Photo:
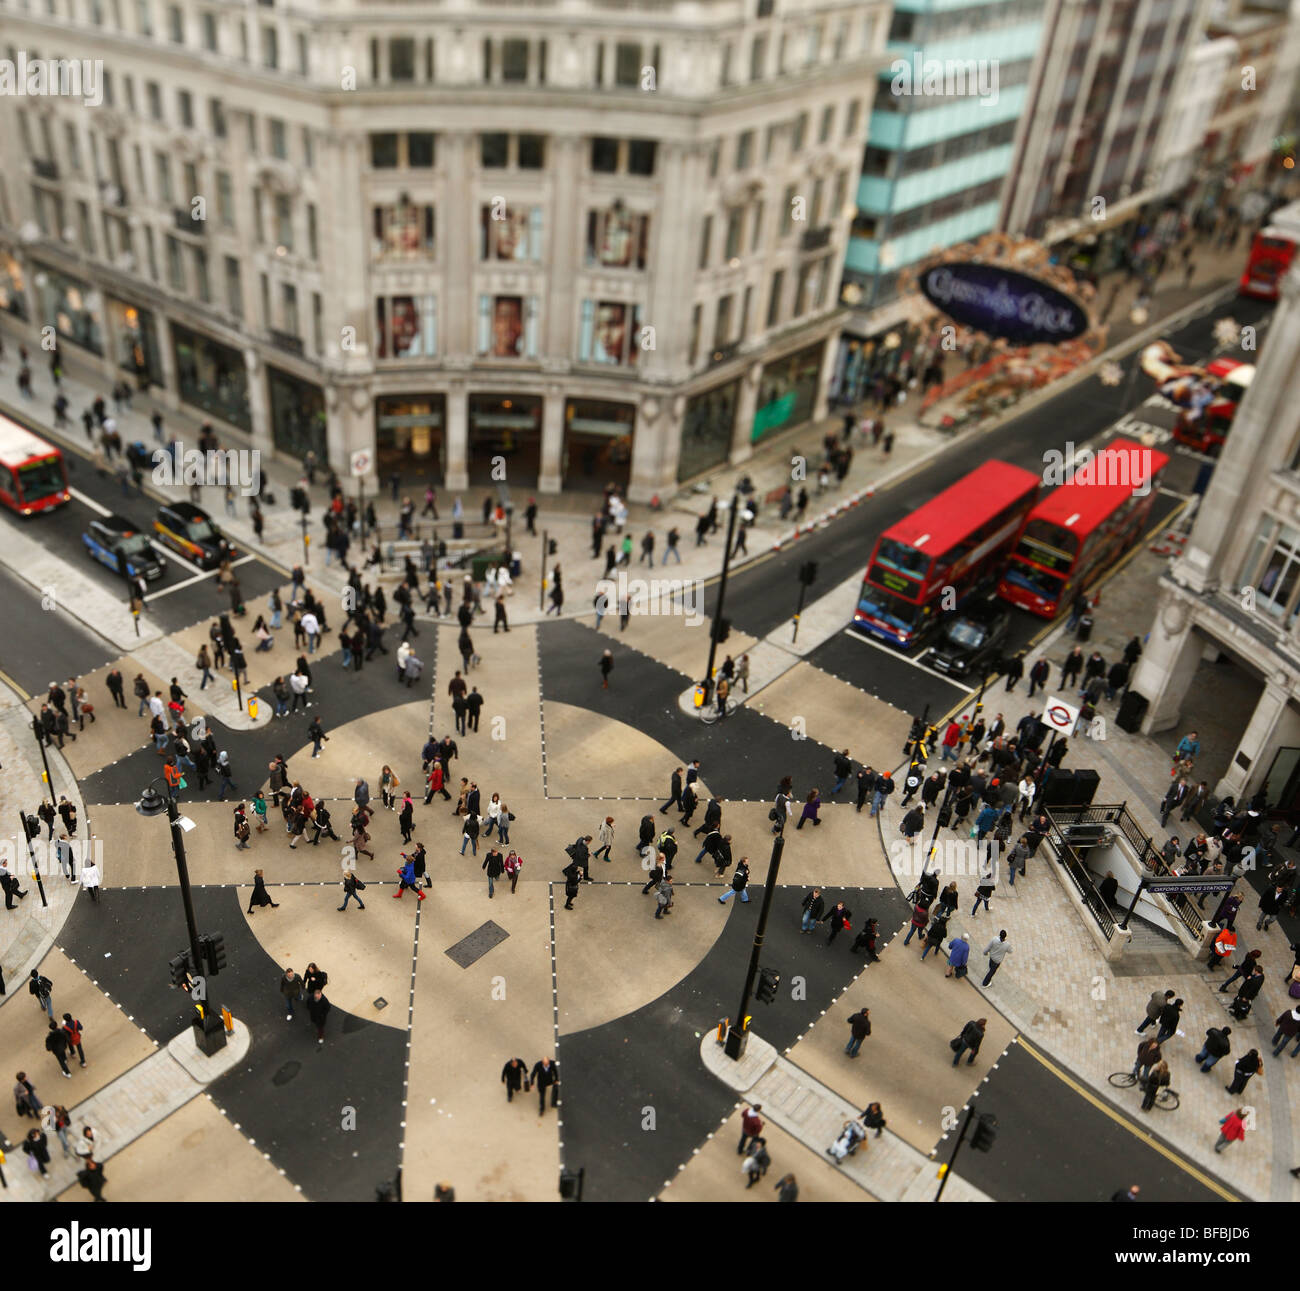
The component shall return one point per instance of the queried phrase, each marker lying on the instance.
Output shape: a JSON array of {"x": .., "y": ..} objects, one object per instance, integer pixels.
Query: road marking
[
  {"x": 867, "y": 641},
  {"x": 1136, "y": 1131},
  {"x": 13, "y": 685},
  {"x": 89, "y": 502},
  {"x": 198, "y": 577}
]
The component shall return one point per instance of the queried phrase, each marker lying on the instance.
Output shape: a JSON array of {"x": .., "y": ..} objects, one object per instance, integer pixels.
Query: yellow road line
[
  {"x": 9, "y": 681},
  {"x": 1136, "y": 1131}
]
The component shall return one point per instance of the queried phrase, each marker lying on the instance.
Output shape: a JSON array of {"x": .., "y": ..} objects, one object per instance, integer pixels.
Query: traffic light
[
  {"x": 298, "y": 499},
  {"x": 723, "y": 630},
  {"x": 986, "y": 1132},
  {"x": 768, "y": 981},
  {"x": 213, "y": 949},
  {"x": 179, "y": 968},
  {"x": 552, "y": 547},
  {"x": 808, "y": 573}
]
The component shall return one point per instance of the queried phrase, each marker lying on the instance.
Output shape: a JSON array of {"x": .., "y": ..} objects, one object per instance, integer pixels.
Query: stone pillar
[
  {"x": 655, "y": 448},
  {"x": 1201, "y": 566},
  {"x": 550, "y": 478},
  {"x": 458, "y": 311},
  {"x": 457, "y": 436},
  {"x": 112, "y": 339},
  {"x": 1256, "y": 741},
  {"x": 825, "y": 375},
  {"x": 170, "y": 390},
  {"x": 569, "y": 213},
  {"x": 259, "y": 404},
  {"x": 742, "y": 443},
  {"x": 1168, "y": 662}
]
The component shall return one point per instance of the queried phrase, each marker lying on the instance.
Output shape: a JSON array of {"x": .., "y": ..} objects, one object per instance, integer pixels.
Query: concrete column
[
  {"x": 259, "y": 404},
  {"x": 1168, "y": 663},
  {"x": 170, "y": 392},
  {"x": 111, "y": 338},
  {"x": 1202, "y": 565},
  {"x": 458, "y": 311},
  {"x": 1256, "y": 742},
  {"x": 742, "y": 446},
  {"x": 457, "y": 436},
  {"x": 550, "y": 478},
  {"x": 569, "y": 219},
  {"x": 655, "y": 448},
  {"x": 824, "y": 376}
]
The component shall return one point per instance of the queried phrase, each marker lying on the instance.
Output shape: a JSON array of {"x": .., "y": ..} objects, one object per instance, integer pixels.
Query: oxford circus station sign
[{"x": 1003, "y": 303}]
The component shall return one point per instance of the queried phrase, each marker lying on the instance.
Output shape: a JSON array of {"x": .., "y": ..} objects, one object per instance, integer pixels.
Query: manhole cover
[
  {"x": 472, "y": 948},
  {"x": 381, "y": 1003}
]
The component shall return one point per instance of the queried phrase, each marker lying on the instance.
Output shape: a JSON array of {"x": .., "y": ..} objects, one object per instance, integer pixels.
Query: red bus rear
[
  {"x": 1078, "y": 530},
  {"x": 954, "y": 543},
  {"x": 33, "y": 475},
  {"x": 1271, "y": 254}
]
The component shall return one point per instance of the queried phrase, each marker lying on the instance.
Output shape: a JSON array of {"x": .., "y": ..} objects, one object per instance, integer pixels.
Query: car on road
[
  {"x": 189, "y": 530},
  {"x": 970, "y": 640},
  {"x": 123, "y": 547}
]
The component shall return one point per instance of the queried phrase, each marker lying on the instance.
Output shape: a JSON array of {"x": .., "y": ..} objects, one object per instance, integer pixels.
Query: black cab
[
  {"x": 123, "y": 547},
  {"x": 189, "y": 530}
]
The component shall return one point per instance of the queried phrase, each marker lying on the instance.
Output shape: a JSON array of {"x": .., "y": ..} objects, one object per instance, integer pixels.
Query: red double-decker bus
[
  {"x": 956, "y": 541},
  {"x": 1079, "y": 529},
  {"x": 1271, "y": 253},
  {"x": 33, "y": 476}
]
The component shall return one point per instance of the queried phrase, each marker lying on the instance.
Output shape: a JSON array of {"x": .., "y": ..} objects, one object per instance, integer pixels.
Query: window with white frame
[
  {"x": 406, "y": 327},
  {"x": 1273, "y": 570},
  {"x": 507, "y": 326},
  {"x": 608, "y": 332},
  {"x": 617, "y": 238},
  {"x": 510, "y": 232}
]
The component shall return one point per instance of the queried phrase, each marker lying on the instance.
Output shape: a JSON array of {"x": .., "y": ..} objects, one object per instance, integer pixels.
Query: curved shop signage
[{"x": 1004, "y": 303}]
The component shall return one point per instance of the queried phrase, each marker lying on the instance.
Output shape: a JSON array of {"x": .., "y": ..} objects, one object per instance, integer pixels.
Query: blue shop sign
[{"x": 1003, "y": 303}]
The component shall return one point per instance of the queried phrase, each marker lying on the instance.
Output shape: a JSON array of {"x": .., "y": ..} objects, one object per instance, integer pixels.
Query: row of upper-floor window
[
  {"x": 171, "y": 22},
  {"x": 976, "y": 88},
  {"x": 806, "y": 211},
  {"x": 407, "y": 59},
  {"x": 892, "y": 225},
  {"x": 885, "y": 163},
  {"x": 971, "y": 20}
]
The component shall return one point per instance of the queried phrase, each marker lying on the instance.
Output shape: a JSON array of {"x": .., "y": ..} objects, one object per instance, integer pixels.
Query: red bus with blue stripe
[{"x": 934, "y": 558}]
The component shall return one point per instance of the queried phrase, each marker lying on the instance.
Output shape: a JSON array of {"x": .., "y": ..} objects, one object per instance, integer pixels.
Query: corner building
[
  {"x": 601, "y": 242},
  {"x": 1226, "y": 633}
]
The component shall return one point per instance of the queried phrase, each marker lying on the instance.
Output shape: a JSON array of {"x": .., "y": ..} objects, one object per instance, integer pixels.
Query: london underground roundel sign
[{"x": 1003, "y": 302}]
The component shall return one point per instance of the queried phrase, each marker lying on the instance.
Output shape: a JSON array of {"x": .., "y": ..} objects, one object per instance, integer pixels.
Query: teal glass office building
[{"x": 935, "y": 163}]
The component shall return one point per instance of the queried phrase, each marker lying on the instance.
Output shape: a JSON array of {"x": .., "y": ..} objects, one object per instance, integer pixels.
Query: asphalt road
[
  {"x": 51, "y": 645},
  {"x": 1053, "y": 1144}
]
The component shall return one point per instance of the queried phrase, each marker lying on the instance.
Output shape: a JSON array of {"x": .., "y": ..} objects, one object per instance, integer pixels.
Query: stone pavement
[
  {"x": 886, "y": 1167},
  {"x": 1056, "y": 988}
]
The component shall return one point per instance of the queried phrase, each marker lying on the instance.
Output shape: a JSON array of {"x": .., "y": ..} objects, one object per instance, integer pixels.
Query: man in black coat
[
  {"x": 514, "y": 1076},
  {"x": 712, "y": 818},
  {"x": 675, "y": 796},
  {"x": 580, "y": 856},
  {"x": 546, "y": 1073},
  {"x": 688, "y": 804},
  {"x": 318, "y": 1009},
  {"x": 866, "y": 783}
]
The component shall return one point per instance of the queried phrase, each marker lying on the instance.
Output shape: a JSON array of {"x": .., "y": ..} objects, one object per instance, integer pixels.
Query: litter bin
[
  {"x": 1084, "y": 630},
  {"x": 457, "y": 531},
  {"x": 516, "y": 565}
]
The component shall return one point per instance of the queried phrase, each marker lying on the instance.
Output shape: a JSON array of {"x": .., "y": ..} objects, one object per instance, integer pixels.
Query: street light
[{"x": 211, "y": 1034}]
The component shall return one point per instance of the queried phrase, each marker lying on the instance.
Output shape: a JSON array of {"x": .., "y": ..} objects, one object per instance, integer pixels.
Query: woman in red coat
[{"x": 435, "y": 781}]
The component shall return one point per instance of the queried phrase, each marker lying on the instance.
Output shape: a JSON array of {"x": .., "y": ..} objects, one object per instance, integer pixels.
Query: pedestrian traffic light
[
  {"x": 179, "y": 968},
  {"x": 298, "y": 499},
  {"x": 213, "y": 949},
  {"x": 808, "y": 573},
  {"x": 723, "y": 630},
  {"x": 768, "y": 981},
  {"x": 552, "y": 547},
  {"x": 986, "y": 1132}
]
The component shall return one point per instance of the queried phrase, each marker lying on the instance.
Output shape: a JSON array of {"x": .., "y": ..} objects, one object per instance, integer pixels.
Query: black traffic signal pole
[
  {"x": 722, "y": 594},
  {"x": 798, "y": 610},
  {"x": 31, "y": 860},
  {"x": 737, "y": 1032},
  {"x": 39, "y": 732},
  {"x": 961, "y": 1138},
  {"x": 183, "y": 875},
  {"x": 541, "y": 571}
]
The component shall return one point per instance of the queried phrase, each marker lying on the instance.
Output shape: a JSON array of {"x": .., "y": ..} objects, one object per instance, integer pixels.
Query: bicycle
[
  {"x": 1167, "y": 1099},
  {"x": 710, "y": 714}
]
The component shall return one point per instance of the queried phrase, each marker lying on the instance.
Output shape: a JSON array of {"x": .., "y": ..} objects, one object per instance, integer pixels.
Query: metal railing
[{"x": 1082, "y": 881}]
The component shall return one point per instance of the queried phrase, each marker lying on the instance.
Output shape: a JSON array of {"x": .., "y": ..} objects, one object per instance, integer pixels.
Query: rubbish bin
[
  {"x": 1084, "y": 630},
  {"x": 457, "y": 531},
  {"x": 1132, "y": 709}
]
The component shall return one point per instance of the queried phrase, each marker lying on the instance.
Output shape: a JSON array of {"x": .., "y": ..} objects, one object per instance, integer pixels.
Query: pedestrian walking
[
  {"x": 260, "y": 897},
  {"x": 1216, "y": 1047},
  {"x": 813, "y": 905},
  {"x": 318, "y": 1009},
  {"x": 1248, "y": 1065},
  {"x": 1232, "y": 1129},
  {"x": 739, "y": 883},
  {"x": 859, "y": 1030},
  {"x": 1170, "y": 1015},
  {"x": 56, "y": 1044},
  {"x": 42, "y": 990},
  {"x": 970, "y": 1039},
  {"x": 1288, "y": 1028},
  {"x": 997, "y": 950},
  {"x": 90, "y": 879},
  {"x": 605, "y": 837},
  {"x": 958, "y": 957},
  {"x": 514, "y": 1076},
  {"x": 546, "y": 1075},
  {"x": 812, "y": 805},
  {"x": 352, "y": 887},
  {"x": 494, "y": 866},
  {"x": 838, "y": 917},
  {"x": 37, "y": 1147},
  {"x": 73, "y": 1029},
  {"x": 1156, "y": 1080}
]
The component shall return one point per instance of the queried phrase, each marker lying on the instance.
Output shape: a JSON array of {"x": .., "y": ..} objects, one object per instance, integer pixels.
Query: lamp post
[
  {"x": 738, "y": 1032},
  {"x": 722, "y": 593},
  {"x": 153, "y": 803}
]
